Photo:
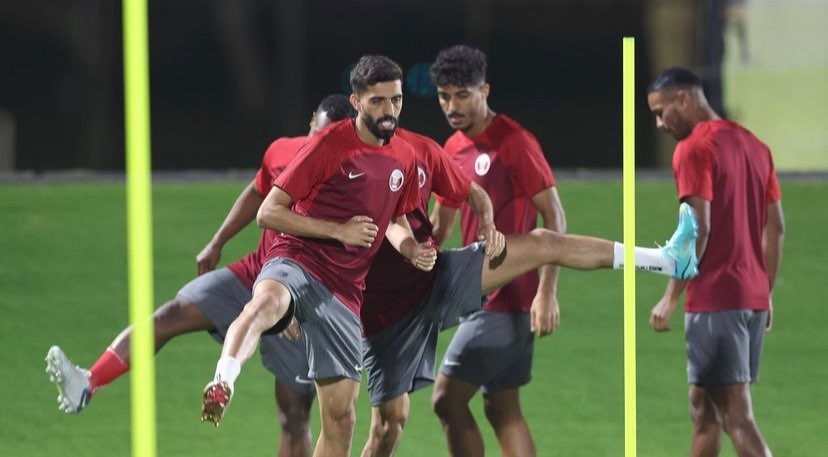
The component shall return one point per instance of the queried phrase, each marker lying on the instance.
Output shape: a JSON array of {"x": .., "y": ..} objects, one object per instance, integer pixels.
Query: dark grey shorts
[
  {"x": 221, "y": 296},
  {"x": 288, "y": 362},
  {"x": 332, "y": 333},
  {"x": 401, "y": 358},
  {"x": 492, "y": 350},
  {"x": 724, "y": 347}
]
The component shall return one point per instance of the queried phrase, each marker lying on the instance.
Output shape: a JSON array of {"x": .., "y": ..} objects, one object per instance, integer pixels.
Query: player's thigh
[{"x": 337, "y": 396}]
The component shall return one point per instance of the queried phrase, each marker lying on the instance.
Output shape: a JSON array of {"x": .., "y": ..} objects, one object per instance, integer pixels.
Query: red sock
[{"x": 108, "y": 368}]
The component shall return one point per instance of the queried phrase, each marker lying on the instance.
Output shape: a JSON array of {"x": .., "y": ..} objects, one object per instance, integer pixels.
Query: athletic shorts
[
  {"x": 288, "y": 362},
  {"x": 221, "y": 296},
  {"x": 723, "y": 347},
  {"x": 492, "y": 350},
  {"x": 400, "y": 359},
  {"x": 332, "y": 333}
]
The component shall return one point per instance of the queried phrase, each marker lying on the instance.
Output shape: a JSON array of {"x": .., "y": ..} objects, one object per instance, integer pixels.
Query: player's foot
[
  {"x": 217, "y": 396},
  {"x": 72, "y": 381},
  {"x": 681, "y": 247}
]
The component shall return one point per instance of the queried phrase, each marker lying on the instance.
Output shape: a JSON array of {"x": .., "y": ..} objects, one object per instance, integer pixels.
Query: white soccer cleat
[{"x": 72, "y": 382}]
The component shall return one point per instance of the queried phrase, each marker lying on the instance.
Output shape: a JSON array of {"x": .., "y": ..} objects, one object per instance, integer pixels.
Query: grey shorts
[
  {"x": 492, "y": 350},
  {"x": 288, "y": 362},
  {"x": 400, "y": 359},
  {"x": 332, "y": 333},
  {"x": 221, "y": 296},
  {"x": 724, "y": 347}
]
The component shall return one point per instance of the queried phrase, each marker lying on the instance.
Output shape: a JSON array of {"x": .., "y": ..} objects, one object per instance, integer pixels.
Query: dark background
[{"x": 228, "y": 76}]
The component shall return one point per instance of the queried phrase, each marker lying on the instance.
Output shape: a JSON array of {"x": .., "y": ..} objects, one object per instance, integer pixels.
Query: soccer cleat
[
  {"x": 681, "y": 247},
  {"x": 72, "y": 381},
  {"x": 217, "y": 396}
]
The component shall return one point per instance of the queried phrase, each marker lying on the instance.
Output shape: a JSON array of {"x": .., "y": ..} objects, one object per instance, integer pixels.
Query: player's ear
[
  {"x": 354, "y": 101},
  {"x": 484, "y": 89}
]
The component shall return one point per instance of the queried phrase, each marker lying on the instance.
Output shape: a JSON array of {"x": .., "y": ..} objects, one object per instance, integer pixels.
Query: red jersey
[
  {"x": 724, "y": 163},
  {"x": 507, "y": 161},
  {"x": 276, "y": 158},
  {"x": 393, "y": 286},
  {"x": 334, "y": 177}
]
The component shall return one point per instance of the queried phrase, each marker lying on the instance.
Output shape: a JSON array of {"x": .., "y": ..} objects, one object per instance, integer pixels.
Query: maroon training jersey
[
  {"x": 507, "y": 161},
  {"x": 334, "y": 177},
  {"x": 393, "y": 286},
  {"x": 276, "y": 158},
  {"x": 724, "y": 163}
]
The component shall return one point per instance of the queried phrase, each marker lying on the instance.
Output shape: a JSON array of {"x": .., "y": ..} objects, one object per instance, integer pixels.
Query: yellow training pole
[
  {"x": 629, "y": 246},
  {"x": 139, "y": 225}
]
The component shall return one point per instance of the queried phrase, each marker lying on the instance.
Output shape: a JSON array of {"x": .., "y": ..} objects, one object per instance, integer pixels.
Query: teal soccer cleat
[{"x": 681, "y": 247}]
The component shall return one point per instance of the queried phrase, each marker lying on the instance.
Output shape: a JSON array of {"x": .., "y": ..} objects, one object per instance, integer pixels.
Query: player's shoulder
[
  {"x": 508, "y": 134},
  {"x": 284, "y": 147},
  {"x": 423, "y": 145}
]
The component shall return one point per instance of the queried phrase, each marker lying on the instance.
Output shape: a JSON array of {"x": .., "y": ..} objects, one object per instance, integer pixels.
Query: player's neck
[{"x": 480, "y": 127}]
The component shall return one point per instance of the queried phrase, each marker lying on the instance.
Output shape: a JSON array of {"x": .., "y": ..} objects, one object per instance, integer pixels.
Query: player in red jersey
[
  {"x": 346, "y": 191},
  {"x": 405, "y": 309},
  {"x": 212, "y": 300},
  {"x": 493, "y": 348},
  {"x": 728, "y": 177}
]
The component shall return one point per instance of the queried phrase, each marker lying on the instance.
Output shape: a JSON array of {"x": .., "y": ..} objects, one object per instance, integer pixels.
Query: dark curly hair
[
  {"x": 371, "y": 70},
  {"x": 460, "y": 66},
  {"x": 337, "y": 107},
  {"x": 675, "y": 78}
]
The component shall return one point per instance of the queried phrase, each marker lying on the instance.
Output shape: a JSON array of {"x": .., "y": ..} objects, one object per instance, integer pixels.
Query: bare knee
[
  {"x": 502, "y": 409},
  {"x": 178, "y": 316},
  {"x": 442, "y": 403},
  {"x": 702, "y": 412},
  {"x": 294, "y": 418}
]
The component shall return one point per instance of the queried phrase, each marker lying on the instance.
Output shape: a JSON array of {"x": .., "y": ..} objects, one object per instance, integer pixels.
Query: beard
[{"x": 374, "y": 128}]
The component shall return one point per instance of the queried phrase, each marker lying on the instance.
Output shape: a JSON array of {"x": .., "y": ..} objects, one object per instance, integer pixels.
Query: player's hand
[
  {"x": 423, "y": 256},
  {"x": 769, "y": 323},
  {"x": 358, "y": 231},
  {"x": 291, "y": 333},
  {"x": 495, "y": 240},
  {"x": 660, "y": 315},
  {"x": 545, "y": 315},
  {"x": 208, "y": 258}
]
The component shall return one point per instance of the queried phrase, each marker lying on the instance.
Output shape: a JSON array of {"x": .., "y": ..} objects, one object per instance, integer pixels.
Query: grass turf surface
[{"x": 63, "y": 278}]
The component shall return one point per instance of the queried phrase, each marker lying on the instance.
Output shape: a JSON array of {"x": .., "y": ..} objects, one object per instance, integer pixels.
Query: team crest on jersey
[
  {"x": 482, "y": 164},
  {"x": 421, "y": 177},
  {"x": 395, "y": 182}
]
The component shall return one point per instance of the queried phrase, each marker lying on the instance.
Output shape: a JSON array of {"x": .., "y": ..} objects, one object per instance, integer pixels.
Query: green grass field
[{"x": 63, "y": 278}]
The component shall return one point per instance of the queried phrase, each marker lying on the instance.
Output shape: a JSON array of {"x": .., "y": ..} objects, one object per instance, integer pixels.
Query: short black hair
[
  {"x": 371, "y": 70},
  {"x": 337, "y": 107},
  {"x": 675, "y": 78},
  {"x": 459, "y": 65}
]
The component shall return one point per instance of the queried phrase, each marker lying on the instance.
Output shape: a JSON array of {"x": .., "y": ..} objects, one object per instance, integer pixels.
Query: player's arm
[
  {"x": 442, "y": 219},
  {"x": 661, "y": 312},
  {"x": 481, "y": 206},
  {"x": 545, "y": 312},
  {"x": 401, "y": 237},
  {"x": 774, "y": 237},
  {"x": 275, "y": 213},
  {"x": 241, "y": 213}
]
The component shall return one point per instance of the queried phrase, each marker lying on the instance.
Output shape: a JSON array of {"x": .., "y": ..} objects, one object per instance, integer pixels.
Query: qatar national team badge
[
  {"x": 482, "y": 164},
  {"x": 395, "y": 182},
  {"x": 421, "y": 177}
]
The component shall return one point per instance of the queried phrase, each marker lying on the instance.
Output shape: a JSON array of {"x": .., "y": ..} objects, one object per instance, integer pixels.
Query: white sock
[
  {"x": 646, "y": 259},
  {"x": 227, "y": 369}
]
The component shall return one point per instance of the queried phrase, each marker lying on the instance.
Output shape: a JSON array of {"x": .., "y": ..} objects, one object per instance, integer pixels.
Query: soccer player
[
  {"x": 405, "y": 309},
  {"x": 216, "y": 297},
  {"x": 347, "y": 191},
  {"x": 727, "y": 175}
]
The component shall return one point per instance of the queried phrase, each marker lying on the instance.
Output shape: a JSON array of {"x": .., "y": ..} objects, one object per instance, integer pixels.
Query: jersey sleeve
[
  {"x": 448, "y": 180},
  {"x": 306, "y": 171},
  {"x": 693, "y": 170},
  {"x": 410, "y": 196},
  {"x": 529, "y": 168},
  {"x": 774, "y": 192},
  {"x": 264, "y": 176}
]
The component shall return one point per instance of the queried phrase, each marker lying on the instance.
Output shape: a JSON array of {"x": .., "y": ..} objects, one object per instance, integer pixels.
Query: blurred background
[{"x": 228, "y": 76}]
